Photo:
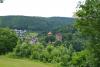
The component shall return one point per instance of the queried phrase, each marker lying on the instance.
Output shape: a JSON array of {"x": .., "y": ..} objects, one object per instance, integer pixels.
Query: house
[
  {"x": 33, "y": 40},
  {"x": 49, "y": 33},
  {"x": 58, "y": 36},
  {"x": 49, "y": 38},
  {"x": 20, "y": 33}
]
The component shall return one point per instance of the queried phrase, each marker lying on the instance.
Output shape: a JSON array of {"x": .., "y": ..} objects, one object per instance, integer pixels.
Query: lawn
[{"x": 9, "y": 62}]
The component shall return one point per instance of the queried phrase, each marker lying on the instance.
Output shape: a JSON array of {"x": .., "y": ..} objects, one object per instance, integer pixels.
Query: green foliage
[
  {"x": 50, "y": 54},
  {"x": 49, "y": 48},
  {"x": 36, "y": 51},
  {"x": 57, "y": 43},
  {"x": 70, "y": 36},
  {"x": 23, "y": 50},
  {"x": 8, "y": 40},
  {"x": 88, "y": 23},
  {"x": 10, "y": 62},
  {"x": 50, "y": 39},
  {"x": 79, "y": 59},
  {"x": 37, "y": 24}
]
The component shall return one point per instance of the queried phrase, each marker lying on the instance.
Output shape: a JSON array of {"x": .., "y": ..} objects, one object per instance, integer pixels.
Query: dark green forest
[{"x": 38, "y": 24}]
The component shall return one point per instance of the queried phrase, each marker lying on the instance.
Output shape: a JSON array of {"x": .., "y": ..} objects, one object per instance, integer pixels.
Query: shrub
[
  {"x": 50, "y": 54},
  {"x": 23, "y": 50},
  {"x": 36, "y": 51},
  {"x": 79, "y": 59}
]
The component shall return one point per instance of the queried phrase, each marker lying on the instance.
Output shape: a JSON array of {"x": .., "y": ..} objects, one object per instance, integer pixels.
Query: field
[{"x": 9, "y": 62}]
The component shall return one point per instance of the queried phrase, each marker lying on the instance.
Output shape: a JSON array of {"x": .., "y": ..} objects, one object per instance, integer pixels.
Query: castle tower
[{"x": 58, "y": 36}]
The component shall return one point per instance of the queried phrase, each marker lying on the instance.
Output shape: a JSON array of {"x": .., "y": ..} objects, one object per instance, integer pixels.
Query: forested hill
[{"x": 34, "y": 23}]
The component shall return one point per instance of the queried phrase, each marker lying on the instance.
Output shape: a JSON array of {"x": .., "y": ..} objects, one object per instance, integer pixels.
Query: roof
[{"x": 49, "y": 33}]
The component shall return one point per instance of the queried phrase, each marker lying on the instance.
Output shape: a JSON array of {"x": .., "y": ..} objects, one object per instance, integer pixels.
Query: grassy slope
[{"x": 9, "y": 62}]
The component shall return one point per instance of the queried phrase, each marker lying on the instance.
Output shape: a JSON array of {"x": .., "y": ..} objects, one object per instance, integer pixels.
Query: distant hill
[{"x": 41, "y": 24}]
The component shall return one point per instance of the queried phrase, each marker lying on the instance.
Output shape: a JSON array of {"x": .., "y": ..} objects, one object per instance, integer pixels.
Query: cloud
[{"x": 44, "y": 8}]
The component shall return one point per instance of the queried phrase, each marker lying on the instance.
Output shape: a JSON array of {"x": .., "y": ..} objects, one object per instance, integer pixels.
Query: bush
[
  {"x": 23, "y": 50},
  {"x": 79, "y": 59},
  {"x": 36, "y": 51},
  {"x": 50, "y": 54}
]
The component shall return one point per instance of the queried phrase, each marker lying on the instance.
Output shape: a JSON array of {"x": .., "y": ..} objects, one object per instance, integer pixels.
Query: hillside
[{"x": 34, "y": 23}]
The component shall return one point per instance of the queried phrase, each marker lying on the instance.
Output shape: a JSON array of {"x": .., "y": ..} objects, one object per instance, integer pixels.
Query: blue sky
[{"x": 45, "y": 8}]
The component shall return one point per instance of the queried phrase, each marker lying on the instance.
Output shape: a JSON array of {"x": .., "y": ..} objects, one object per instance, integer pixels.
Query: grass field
[{"x": 9, "y": 62}]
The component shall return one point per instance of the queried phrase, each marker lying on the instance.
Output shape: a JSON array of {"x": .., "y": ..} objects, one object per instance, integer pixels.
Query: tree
[
  {"x": 50, "y": 39},
  {"x": 8, "y": 40},
  {"x": 1, "y": 1},
  {"x": 79, "y": 59},
  {"x": 88, "y": 23}
]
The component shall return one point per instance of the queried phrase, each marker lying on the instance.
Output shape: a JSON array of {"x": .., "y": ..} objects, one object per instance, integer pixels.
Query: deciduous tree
[{"x": 88, "y": 23}]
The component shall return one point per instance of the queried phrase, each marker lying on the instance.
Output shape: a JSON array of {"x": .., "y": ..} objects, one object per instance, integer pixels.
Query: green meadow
[{"x": 10, "y": 62}]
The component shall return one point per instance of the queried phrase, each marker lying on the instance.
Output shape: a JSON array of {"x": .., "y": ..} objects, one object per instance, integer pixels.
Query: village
[{"x": 32, "y": 38}]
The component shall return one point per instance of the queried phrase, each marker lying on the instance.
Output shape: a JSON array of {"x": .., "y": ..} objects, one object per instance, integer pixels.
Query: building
[
  {"x": 49, "y": 33},
  {"x": 20, "y": 33},
  {"x": 58, "y": 36},
  {"x": 33, "y": 40}
]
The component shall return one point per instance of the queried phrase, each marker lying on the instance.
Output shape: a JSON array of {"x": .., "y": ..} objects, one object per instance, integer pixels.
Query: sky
[{"x": 44, "y": 8}]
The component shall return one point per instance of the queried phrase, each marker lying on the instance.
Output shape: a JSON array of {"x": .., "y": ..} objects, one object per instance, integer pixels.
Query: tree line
[{"x": 38, "y": 24}]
